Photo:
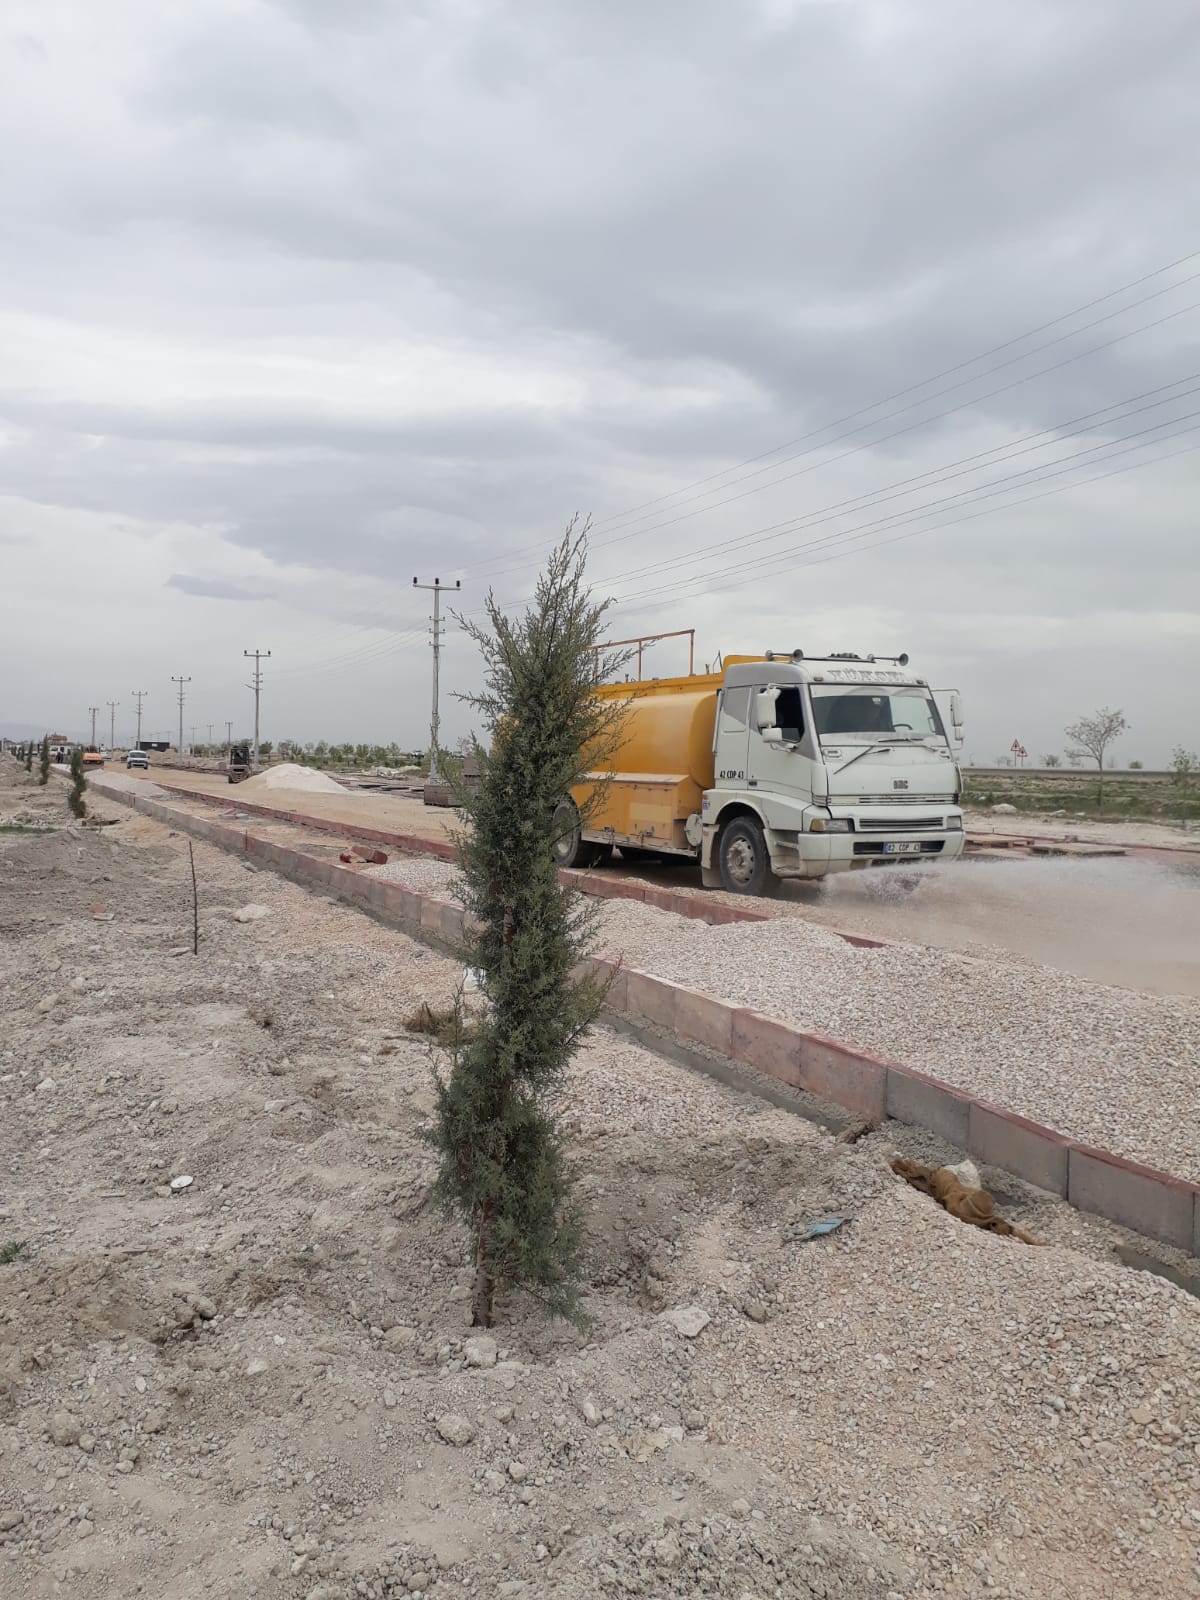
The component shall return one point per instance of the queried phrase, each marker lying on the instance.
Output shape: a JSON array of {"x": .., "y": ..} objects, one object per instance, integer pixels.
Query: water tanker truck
[{"x": 779, "y": 766}]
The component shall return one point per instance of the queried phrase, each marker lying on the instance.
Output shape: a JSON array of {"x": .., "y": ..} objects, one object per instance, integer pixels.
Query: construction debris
[{"x": 974, "y": 1206}]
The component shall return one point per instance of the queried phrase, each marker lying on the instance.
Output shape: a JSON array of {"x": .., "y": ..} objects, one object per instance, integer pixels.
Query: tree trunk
[
  {"x": 484, "y": 1289},
  {"x": 1100, "y": 794}
]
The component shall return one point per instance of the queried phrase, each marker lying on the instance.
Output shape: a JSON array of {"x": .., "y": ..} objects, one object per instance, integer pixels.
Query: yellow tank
[{"x": 663, "y": 766}]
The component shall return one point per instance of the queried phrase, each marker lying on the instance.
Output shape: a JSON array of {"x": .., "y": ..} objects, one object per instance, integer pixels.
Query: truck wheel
[
  {"x": 743, "y": 859},
  {"x": 571, "y": 849}
]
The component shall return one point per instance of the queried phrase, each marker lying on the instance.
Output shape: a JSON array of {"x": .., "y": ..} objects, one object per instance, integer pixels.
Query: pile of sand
[{"x": 288, "y": 775}]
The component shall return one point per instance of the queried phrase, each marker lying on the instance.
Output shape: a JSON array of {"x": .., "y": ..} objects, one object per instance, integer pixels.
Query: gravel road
[{"x": 1114, "y": 1067}]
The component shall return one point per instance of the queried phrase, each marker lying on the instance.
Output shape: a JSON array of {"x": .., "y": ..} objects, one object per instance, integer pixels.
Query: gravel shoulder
[
  {"x": 1111, "y": 1066},
  {"x": 265, "y": 1385},
  {"x": 1034, "y": 825}
]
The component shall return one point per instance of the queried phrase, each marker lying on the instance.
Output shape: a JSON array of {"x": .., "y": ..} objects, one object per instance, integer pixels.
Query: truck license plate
[{"x": 906, "y": 849}]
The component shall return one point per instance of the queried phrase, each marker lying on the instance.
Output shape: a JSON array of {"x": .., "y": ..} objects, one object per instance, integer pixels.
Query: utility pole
[
  {"x": 112, "y": 724},
  {"x": 180, "y": 682},
  {"x": 139, "y": 695},
  {"x": 437, "y": 631},
  {"x": 228, "y": 740},
  {"x": 193, "y": 738},
  {"x": 257, "y": 656},
  {"x": 210, "y": 738},
  {"x": 93, "y": 710}
]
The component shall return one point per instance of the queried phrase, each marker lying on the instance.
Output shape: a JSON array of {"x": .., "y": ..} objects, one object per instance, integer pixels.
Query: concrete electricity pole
[
  {"x": 437, "y": 630},
  {"x": 139, "y": 695},
  {"x": 93, "y": 710},
  {"x": 180, "y": 682},
  {"x": 228, "y": 739},
  {"x": 210, "y": 738},
  {"x": 256, "y": 656},
  {"x": 112, "y": 723}
]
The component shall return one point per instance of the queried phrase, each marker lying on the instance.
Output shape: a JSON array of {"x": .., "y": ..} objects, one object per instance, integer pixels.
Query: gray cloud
[
  {"x": 355, "y": 289},
  {"x": 218, "y": 588}
]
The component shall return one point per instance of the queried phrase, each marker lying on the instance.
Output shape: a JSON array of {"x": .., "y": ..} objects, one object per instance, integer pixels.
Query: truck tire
[
  {"x": 743, "y": 858},
  {"x": 571, "y": 849}
]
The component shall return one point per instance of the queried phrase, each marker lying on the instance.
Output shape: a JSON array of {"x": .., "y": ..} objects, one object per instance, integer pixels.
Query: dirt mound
[{"x": 290, "y": 775}]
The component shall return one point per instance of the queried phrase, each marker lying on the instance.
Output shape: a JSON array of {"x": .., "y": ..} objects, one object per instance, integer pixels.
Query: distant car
[{"x": 137, "y": 758}]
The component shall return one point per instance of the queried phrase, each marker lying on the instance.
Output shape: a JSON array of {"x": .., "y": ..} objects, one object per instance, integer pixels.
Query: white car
[{"x": 138, "y": 758}]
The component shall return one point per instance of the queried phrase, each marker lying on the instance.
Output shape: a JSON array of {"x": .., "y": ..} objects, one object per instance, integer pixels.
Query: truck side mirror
[
  {"x": 956, "y": 713},
  {"x": 764, "y": 708},
  {"x": 772, "y": 735}
]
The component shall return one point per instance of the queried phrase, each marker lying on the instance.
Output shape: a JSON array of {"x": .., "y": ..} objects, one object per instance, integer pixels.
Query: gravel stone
[
  {"x": 455, "y": 1429},
  {"x": 975, "y": 1020},
  {"x": 690, "y": 1321},
  {"x": 481, "y": 1351},
  {"x": 64, "y": 1428},
  {"x": 251, "y": 913}
]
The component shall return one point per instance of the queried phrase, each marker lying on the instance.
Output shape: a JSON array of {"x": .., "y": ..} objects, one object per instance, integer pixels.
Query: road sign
[{"x": 1015, "y": 747}]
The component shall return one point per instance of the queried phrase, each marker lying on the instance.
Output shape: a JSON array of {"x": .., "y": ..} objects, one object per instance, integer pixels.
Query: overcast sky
[{"x": 300, "y": 298}]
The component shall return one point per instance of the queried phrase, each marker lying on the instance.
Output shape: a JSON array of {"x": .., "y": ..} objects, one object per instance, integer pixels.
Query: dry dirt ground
[{"x": 266, "y": 1386}]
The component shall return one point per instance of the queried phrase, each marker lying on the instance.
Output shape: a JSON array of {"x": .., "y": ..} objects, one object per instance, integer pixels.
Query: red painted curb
[{"x": 672, "y": 900}]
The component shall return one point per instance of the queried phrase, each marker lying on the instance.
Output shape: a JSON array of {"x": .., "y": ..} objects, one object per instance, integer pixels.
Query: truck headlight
[
  {"x": 831, "y": 825},
  {"x": 953, "y": 824}
]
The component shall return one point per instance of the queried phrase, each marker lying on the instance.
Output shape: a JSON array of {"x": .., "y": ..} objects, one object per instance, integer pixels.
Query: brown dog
[{"x": 973, "y": 1206}]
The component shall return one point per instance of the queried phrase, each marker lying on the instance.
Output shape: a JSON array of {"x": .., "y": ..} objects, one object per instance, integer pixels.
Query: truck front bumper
[{"x": 814, "y": 855}]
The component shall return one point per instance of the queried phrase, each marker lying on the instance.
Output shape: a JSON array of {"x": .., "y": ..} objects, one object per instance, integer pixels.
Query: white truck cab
[{"x": 826, "y": 765}]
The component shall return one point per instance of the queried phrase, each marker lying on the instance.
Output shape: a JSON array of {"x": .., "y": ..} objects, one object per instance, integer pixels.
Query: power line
[
  {"x": 898, "y": 394},
  {"x": 1117, "y": 411},
  {"x": 180, "y": 682},
  {"x": 785, "y": 560},
  {"x": 946, "y": 372},
  {"x": 937, "y": 393},
  {"x": 910, "y": 427},
  {"x": 93, "y": 710},
  {"x": 258, "y": 657},
  {"x": 436, "y": 632},
  {"x": 392, "y": 643},
  {"x": 963, "y": 466},
  {"x": 725, "y": 544},
  {"x": 139, "y": 695},
  {"x": 112, "y": 723}
]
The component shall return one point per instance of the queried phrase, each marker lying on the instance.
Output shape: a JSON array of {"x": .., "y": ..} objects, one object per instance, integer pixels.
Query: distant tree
[
  {"x": 502, "y": 1166},
  {"x": 1093, "y": 736},
  {"x": 29, "y": 756},
  {"x": 44, "y": 761},
  {"x": 1052, "y": 760},
  {"x": 264, "y": 748},
  {"x": 78, "y": 784},
  {"x": 1185, "y": 764},
  {"x": 1136, "y": 766}
]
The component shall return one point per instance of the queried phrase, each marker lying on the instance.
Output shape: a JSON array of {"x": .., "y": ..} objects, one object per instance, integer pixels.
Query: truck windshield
[{"x": 868, "y": 711}]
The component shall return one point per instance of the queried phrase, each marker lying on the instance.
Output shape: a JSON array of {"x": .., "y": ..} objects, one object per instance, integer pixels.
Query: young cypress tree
[
  {"x": 44, "y": 761},
  {"x": 78, "y": 784},
  {"x": 502, "y": 1164},
  {"x": 29, "y": 756}
]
